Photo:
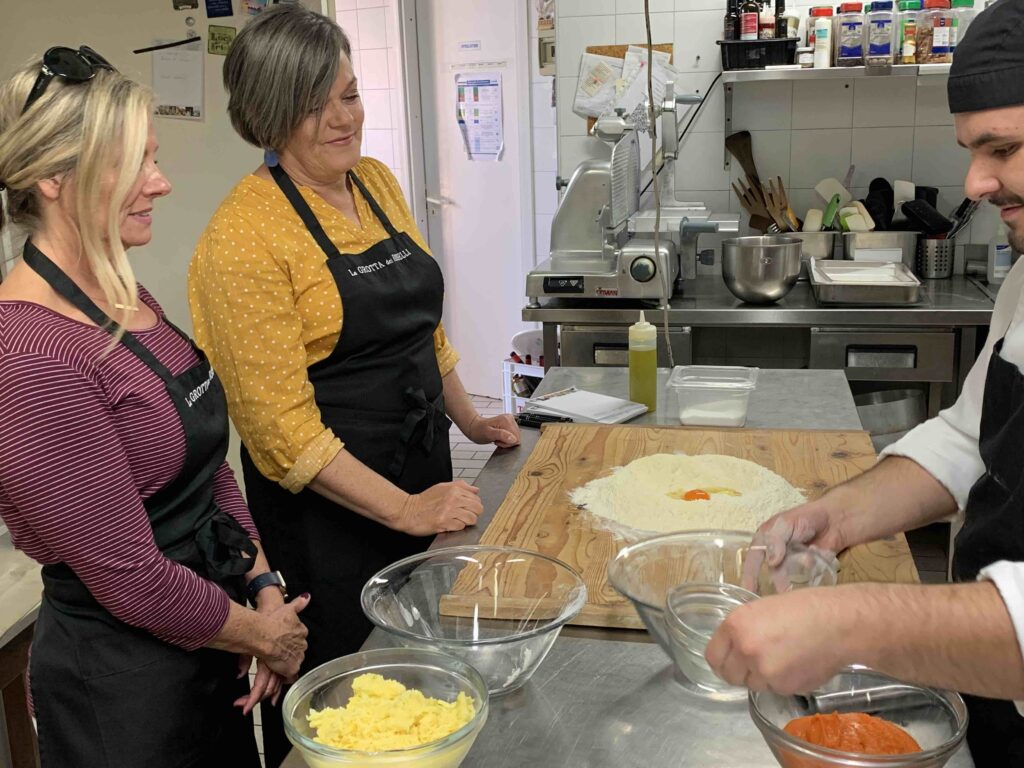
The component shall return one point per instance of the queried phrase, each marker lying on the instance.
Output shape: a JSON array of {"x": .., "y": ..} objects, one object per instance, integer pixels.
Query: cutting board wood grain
[{"x": 537, "y": 514}]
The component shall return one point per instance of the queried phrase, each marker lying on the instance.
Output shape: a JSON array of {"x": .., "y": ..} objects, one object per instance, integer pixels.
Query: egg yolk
[{"x": 702, "y": 494}]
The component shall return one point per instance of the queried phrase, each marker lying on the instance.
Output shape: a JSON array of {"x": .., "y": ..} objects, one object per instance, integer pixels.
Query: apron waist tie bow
[{"x": 422, "y": 410}]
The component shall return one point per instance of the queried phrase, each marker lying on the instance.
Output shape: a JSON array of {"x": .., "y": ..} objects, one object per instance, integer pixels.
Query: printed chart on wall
[
  {"x": 478, "y": 112},
  {"x": 178, "y": 81}
]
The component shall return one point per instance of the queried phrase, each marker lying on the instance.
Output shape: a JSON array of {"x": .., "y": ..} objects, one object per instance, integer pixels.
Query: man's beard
[{"x": 1016, "y": 238}]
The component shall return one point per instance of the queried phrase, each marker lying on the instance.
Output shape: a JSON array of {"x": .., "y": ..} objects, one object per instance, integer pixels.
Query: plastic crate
[{"x": 758, "y": 54}]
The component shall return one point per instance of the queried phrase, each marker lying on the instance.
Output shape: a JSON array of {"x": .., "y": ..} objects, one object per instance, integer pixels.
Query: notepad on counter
[{"x": 584, "y": 406}]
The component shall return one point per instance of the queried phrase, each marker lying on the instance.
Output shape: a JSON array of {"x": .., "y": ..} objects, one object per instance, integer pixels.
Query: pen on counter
[{"x": 549, "y": 395}]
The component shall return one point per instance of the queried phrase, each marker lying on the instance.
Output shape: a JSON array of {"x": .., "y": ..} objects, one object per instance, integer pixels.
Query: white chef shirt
[{"x": 947, "y": 446}]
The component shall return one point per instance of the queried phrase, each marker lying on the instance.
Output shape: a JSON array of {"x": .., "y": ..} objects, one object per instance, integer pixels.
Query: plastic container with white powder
[{"x": 712, "y": 395}]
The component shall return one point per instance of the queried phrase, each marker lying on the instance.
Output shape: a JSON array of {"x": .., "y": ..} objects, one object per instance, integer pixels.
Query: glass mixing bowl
[
  {"x": 437, "y": 675},
  {"x": 499, "y": 609},
  {"x": 647, "y": 571},
  {"x": 936, "y": 719}
]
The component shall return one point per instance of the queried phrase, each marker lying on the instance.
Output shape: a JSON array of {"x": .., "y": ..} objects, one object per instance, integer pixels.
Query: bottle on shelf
[
  {"x": 750, "y": 19},
  {"x": 1000, "y": 256},
  {"x": 766, "y": 22},
  {"x": 879, "y": 34},
  {"x": 781, "y": 20},
  {"x": 731, "y": 27},
  {"x": 906, "y": 31},
  {"x": 643, "y": 363},
  {"x": 823, "y": 39},
  {"x": 851, "y": 35},
  {"x": 935, "y": 33},
  {"x": 963, "y": 15}
]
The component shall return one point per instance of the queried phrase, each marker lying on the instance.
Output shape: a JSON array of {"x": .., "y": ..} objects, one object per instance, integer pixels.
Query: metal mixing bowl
[
  {"x": 936, "y": 719},
  {"x": 761, "y": 270}
]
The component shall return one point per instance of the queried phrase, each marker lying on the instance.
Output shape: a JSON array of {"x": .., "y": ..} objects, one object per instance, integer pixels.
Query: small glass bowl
[
  {"x": 693, "y": 612},
  {"x": 646, "y": 571}
]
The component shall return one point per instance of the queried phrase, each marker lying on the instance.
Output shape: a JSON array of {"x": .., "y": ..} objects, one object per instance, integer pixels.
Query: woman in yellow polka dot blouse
[{"x": 317, "y": 301}]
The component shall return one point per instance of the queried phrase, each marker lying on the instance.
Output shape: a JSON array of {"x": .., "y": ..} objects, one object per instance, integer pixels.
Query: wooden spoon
[
  {"x": 754, "y": 205},
  {"x": 741, "y": 147}
]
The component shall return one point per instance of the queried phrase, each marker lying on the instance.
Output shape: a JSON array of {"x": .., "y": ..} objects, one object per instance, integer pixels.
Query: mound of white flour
[{"x": 638, "y": 495}]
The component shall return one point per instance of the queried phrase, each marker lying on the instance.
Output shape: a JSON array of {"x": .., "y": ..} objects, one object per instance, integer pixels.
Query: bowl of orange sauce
[{"x": 862, "y": 719}]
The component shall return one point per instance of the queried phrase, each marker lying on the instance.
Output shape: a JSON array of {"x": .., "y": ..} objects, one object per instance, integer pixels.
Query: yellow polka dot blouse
[{"x": 265, "y": 308}]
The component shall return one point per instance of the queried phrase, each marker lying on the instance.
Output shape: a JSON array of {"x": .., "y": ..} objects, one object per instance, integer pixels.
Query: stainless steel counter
[
  {"x": 955, "y": 302},
  {"x": 607, "y": 699}
]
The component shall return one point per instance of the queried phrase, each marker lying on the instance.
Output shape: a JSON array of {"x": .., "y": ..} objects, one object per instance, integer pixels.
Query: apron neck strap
[
  {"x": 41, "y": 264},
  {"x": 309, "y": 218},
  {"x": 305, "y": 212},
  {"x": 377, "y": 210}
]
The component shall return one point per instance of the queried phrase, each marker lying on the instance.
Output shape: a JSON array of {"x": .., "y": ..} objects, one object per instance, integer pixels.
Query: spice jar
[
  {"x": 816, "y": 12},
  {"x": 879, "y": 35},
  {"x": 823, "y": 40},
  {"x": 963, "y": 15},
  {"x": 934, "y": 33},
  {"x": 851, "y": 35},
  {"x": 906, "y": 31}
]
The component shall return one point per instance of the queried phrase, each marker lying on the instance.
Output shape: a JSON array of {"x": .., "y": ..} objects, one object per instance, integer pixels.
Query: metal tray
[{"x": 875, "y": 283}]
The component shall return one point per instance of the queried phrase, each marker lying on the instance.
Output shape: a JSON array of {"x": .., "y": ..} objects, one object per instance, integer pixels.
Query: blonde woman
[{"x": 113, "y": 431}]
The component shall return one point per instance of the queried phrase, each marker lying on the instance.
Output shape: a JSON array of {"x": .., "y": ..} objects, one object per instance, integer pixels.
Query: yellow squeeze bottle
[{"x": 643, "y": 363}]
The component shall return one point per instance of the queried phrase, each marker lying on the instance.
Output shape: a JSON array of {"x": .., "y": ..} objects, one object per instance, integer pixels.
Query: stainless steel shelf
[
  {"x": 834, "y": 73},
  {"x": 926, "y": 73}
]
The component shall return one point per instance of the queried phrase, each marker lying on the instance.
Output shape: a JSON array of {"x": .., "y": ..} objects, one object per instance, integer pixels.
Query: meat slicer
[{"x": 602, "y": 235}]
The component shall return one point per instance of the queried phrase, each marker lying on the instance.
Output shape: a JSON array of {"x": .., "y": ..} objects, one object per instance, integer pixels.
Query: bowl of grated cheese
[{"x": 394, "y": 707}]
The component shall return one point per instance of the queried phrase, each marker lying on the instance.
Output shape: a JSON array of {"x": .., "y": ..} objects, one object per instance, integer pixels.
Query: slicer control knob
[{"x": 643, "y": 269}]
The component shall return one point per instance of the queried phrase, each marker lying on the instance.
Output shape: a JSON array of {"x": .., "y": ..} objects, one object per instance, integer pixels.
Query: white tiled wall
[
  {"x": 545, "y": 143},
  {"x": 896, "y": 128},
  {"x": 373, "y": 30}
]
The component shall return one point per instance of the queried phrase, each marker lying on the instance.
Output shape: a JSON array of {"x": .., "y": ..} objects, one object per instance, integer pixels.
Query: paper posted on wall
[
  {"x": 607, "y": 83},
  {"x": 478, "y": 112},
  {"x": 178, "y": 81}
]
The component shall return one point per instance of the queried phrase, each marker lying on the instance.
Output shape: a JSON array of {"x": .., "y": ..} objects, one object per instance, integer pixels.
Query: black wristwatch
[{"x": 268, "y": 579}]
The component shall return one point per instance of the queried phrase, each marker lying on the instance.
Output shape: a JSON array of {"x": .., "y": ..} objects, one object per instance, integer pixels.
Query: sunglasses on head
[{"x": 74, "y": 66}]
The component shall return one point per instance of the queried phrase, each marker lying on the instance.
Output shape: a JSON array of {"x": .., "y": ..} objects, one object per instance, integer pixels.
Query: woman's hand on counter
[
  {"x": 441, "y": 508},
  {"x": 501, "y": 430}
]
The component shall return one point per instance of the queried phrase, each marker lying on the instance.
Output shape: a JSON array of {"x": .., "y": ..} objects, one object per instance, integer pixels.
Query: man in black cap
[{"x": 966, "y": 636}]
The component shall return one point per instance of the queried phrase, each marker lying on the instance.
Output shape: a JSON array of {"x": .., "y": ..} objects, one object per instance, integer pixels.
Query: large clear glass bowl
[
  {"x": 436, "y": 674},
  {"x": 646, "y": 572},
  {"x": 936, "y": 719},
  {"x": 499, "y": 609}
]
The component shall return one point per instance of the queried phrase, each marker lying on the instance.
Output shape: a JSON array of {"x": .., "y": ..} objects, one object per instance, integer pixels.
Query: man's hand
[{"x": 789, "y": 643}]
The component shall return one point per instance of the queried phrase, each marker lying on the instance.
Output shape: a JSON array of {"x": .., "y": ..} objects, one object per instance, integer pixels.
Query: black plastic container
[{"x": 758, "y": 54}]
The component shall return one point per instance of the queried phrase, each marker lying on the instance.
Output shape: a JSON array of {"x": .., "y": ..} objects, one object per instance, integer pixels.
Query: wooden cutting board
[{"x": 537, "y": 514}]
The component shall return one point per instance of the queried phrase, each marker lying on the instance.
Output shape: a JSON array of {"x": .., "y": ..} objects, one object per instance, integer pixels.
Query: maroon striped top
[{"x": 83, "y": 441}]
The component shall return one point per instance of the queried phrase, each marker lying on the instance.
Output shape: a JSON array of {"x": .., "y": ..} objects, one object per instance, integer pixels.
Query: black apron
[
  {"x": 111, "y": 695},
  {"x": 380, "y": 391},
  {"x": 994, "y": 530}
]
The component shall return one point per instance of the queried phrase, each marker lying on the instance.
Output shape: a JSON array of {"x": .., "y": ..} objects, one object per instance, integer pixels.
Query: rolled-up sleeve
[
  {"x": 1009, "y": 580},
  {"x": 245, "y": 318},
  {"x": 447, "y": 358}
]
